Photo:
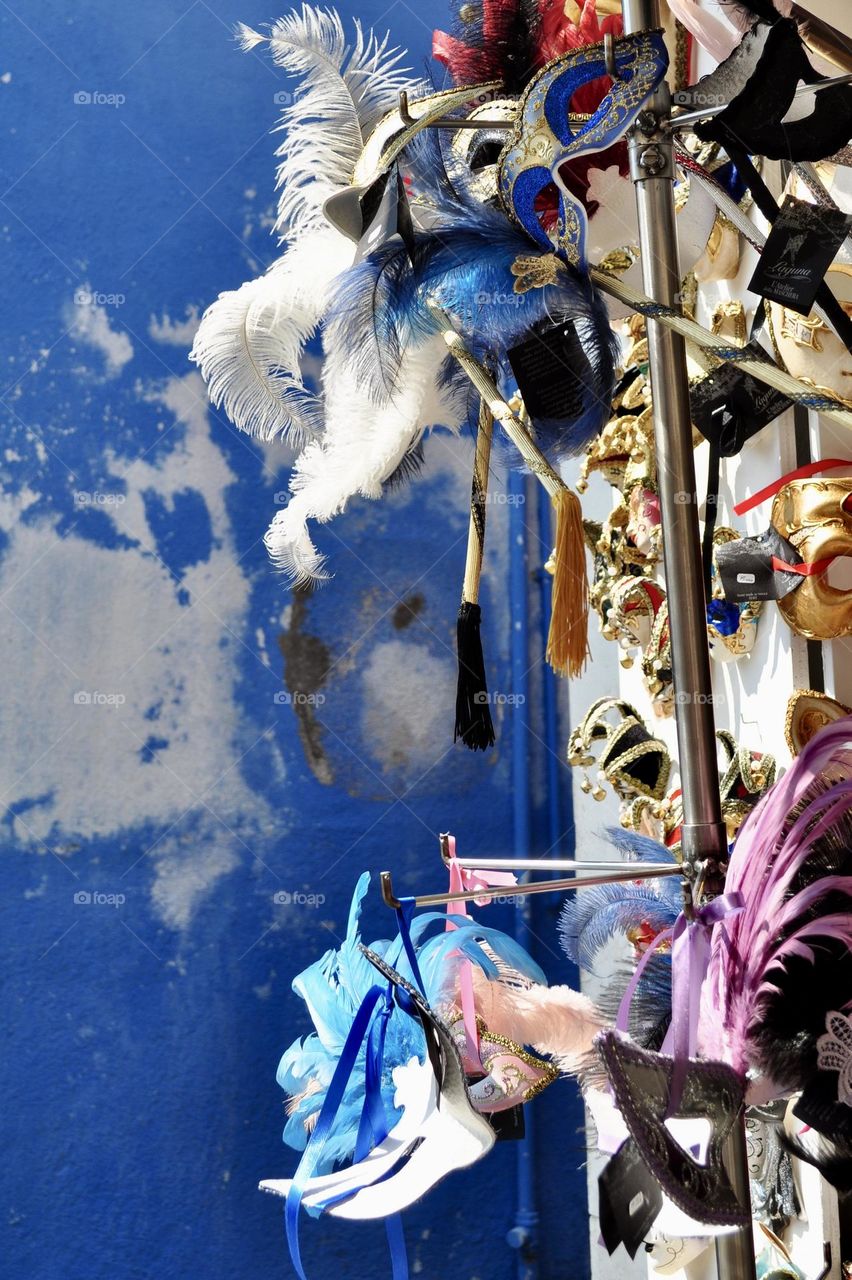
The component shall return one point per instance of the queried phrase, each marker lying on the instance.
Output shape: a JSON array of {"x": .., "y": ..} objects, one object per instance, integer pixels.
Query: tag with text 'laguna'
[{"x": 798, "y": 251}]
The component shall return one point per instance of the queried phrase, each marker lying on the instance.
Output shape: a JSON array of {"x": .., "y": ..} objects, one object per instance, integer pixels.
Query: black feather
[{"x": 410, "y": 466}]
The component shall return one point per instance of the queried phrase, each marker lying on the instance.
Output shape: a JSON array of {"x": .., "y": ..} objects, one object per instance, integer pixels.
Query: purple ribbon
[{"x": 690, "y": 939}]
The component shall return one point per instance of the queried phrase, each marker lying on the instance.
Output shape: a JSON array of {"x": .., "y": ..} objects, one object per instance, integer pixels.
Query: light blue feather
[
  {"x": 333, "y": 989},
  {"x": 592, "y": 917}
]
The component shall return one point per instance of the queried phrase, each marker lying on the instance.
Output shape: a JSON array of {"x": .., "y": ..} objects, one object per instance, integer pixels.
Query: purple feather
[{"x": 770, "y": 964}]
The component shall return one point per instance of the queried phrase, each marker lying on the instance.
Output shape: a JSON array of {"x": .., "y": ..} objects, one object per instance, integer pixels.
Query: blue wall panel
[{"x": 164, "y": 792}]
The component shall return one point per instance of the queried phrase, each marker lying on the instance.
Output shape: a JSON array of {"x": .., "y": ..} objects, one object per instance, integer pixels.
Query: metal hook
[
  {"x": 404, "y": 113},
  {"x": 389, "y": 898},
  {"x": 460, "y": 122},
  {"x": 446, "y": 122},
  {"x": 609, "y": 56},
  {"x": 826, "y": 1256},
  {"x": 472, "y": 862},
  {"x": 637, "y": 871},
  {"x": 686, "y": 119}
]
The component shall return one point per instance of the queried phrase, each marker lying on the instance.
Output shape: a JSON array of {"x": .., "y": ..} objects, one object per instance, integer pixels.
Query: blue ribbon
[
  {"x": 370, "y": 1022},
  {"x": 316, "y": 1143}
]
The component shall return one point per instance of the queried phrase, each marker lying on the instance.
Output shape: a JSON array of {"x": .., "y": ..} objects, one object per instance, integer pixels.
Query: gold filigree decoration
[
  {"x": 535, "y": 271},
  {"x": 803, "y": 330},
  {"x": 617, "y": 261}
]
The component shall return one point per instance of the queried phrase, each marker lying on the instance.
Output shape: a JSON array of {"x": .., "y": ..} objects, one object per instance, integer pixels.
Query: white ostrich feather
[
  {"x": 362, "y": 446},
  {"x": 250, "y": 341},
  {"x": 247, "y": 38},
  {"x": 346, "y": 88}
]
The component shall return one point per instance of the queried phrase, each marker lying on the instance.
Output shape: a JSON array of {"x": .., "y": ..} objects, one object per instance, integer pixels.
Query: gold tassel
[{"x": 567, "y": 640}]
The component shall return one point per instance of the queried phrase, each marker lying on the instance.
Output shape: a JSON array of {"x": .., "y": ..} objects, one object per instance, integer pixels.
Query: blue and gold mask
[{"x": 545, "y": 138}]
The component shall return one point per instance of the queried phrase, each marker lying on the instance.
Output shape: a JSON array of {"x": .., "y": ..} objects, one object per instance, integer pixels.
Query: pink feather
[
  {"x": 769, "y": 855},
  {"x": 556, "y": 1021}
]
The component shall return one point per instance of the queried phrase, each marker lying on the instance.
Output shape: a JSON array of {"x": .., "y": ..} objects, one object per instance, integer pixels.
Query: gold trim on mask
[
  {"x": 545, "y": 1070},
  {"x": 803, "y": 722}
]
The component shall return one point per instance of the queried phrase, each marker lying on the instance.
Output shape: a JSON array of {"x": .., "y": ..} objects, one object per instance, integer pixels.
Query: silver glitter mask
[{"x": 641, "y": 1083}]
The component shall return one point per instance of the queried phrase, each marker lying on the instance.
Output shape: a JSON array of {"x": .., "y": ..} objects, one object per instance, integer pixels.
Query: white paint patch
[
  {"x": 39, "y": 892},
  {"x": 185, "y": 876},
  {"x": 89, "y": 323},
  {"x": 409, "y": 699},
  {"x": 120, "y": 708},
  {"x": 175, "y": 333}
]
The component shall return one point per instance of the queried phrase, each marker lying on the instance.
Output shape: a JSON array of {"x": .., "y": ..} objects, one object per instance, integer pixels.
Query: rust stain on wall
[
  {"x": 307, "y": 662},
  {"x": 407, "y": 610}
]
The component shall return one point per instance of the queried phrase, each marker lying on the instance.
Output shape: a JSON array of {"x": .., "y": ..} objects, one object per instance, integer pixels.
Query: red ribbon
[{"x": 801, "y": 473}]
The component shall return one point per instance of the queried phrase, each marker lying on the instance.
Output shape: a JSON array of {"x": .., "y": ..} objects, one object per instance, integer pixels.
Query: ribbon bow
[
  {"x": 462, "y": 879},
  {"x": 690, "y": 939}
]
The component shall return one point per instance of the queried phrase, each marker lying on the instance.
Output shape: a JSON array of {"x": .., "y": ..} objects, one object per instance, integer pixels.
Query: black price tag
[
  {"x": 799, "y": 250},
  {"x": 629, "y": 1199},
  {"x": 746, "y": 570},
  {"x": 730, "y": 406},
  {"x": 551, "y": 368},
  {"x": 508, "y": 1125}
]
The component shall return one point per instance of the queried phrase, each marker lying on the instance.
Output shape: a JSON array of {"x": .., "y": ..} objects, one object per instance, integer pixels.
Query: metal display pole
[{"x": 704, "y": 838}]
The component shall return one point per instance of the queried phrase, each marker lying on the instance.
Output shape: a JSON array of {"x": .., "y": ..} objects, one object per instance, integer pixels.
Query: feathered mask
[
  {"x": 778, "y": 993},
  {"x": 404, "y": 232},
  {"x": 760, "y": 986},
  {"x": 513, "y": 1008}
]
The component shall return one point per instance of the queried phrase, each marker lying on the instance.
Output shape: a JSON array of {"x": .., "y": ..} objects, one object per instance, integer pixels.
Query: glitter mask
[
  {"x": 544, "y": 139},
  {"x": 511, "y": 1074},
  {"x": 641, "y": 1082}
]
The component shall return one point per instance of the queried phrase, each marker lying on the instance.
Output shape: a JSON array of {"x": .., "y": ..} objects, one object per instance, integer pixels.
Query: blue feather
[
  {"x": 464, "y": 262},
  {"x": 333, "y": 989},
  {"x": 593, "y": 917},
  {"x": 470, "y": 938},
  {"x": 611, "y": 910}
]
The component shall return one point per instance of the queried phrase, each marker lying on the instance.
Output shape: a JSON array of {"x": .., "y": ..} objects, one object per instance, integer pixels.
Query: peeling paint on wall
[{"x": 307, "y": 664}]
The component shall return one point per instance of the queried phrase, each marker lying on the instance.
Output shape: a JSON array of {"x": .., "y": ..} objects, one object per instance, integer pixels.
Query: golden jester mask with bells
[
  {"x": 613, "y": 737},
  {"x": 544, "y": 137}
]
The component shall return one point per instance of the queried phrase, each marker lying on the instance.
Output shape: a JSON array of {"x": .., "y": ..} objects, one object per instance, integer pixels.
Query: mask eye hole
[{"x": 484, "y": 154}]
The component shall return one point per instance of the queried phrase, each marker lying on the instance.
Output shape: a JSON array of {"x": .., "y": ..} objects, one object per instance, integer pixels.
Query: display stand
[
  {"x": 780, "y": 661},
  {"x": 704, "y": 840}
]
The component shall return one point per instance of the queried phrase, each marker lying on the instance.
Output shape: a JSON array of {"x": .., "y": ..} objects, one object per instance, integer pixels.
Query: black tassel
[{"x": 473, "y": 711}]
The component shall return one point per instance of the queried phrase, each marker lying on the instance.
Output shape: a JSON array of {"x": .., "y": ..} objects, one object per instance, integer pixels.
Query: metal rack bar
[
  {"x": 704, "y": 839},
  {"x": 561, "y": 864},
  {"x": 638, "y": 872}
]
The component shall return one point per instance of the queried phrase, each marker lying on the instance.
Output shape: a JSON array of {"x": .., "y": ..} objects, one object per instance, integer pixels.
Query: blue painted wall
[{"x": 163, "y": 791}]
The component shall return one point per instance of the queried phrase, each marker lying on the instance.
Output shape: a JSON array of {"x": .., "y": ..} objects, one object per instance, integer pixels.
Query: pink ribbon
[
  {"x": 716, "y": 37},
  {"x": 462, "y": 879}
]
